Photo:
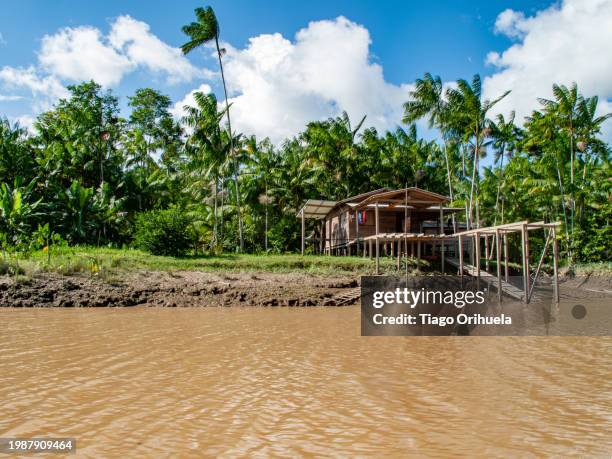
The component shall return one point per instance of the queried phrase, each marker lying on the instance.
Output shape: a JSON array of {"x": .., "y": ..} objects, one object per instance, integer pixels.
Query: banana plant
[{"x": 17, "y": 210}]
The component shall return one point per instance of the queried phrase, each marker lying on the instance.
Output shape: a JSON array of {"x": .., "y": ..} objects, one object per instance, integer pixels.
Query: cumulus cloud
[
  {"x": 80, "y": 53},
  {"x": 84, "y": 53},
  {"x": 75, "y": 54},
  {"x": 567, "y": 42},
  {"x": 44, "y": 89},
  {"x": 189, "y": 99},
  {"x": 134, "y": 39},
  {"x": 277, "y": 86},
  {"x": 4, "y": 98}
]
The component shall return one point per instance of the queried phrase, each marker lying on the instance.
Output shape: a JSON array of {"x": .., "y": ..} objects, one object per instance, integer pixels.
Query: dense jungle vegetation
[{"x": 87, "y": 175}]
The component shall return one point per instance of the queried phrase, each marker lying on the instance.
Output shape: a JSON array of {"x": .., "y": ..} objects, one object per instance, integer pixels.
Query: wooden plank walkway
[
  {"x": 344, "y": 298},
  {"x": 490, "y": 279}
]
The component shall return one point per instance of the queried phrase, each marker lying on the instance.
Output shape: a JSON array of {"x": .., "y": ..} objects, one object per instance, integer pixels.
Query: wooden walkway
[{"x": 492, "y": 280}]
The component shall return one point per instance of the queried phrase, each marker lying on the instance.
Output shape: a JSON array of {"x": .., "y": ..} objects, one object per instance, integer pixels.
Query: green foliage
[
  {"x": 164, "y": 232},
  {"x": 17, "y": 211},
  {"x": 85, "y": 174}
]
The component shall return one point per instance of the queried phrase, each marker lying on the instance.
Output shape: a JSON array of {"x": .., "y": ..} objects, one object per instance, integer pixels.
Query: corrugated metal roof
[{"x": 316, "y": 208}]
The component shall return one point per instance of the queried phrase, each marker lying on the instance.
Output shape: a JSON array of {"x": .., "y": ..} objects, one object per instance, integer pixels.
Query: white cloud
[
  {"x": 134, "y": 39},
  {"x": 2, "y": 40},
  {"x": 510, "y": 23},
  {"x": 44, "y": 89},
  {"x": 565, "y": 43},
  {"x": 189, "y": 99},
  {"x": 84, "y": 53},
  {"x": 80, "y": 53},
  {"x": 26, "y": 122},
  {"x": 5, "y": 98},
  {"x": 277, "y": 86},
  {"x": 75, "y": 54}
]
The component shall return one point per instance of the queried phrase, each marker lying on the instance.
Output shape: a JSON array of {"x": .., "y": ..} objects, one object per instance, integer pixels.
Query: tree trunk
[
  {"x": 232, "y": 152},
  {"x": 215, "y": 239},
  {"x": 499, "y": 183},
  {"x": 474, "y": 172}
]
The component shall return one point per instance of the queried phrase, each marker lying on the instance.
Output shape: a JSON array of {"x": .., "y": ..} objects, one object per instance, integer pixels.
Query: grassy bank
[
  {"x": 106, "y": 261},
  {"x": 100, "y": 261}
]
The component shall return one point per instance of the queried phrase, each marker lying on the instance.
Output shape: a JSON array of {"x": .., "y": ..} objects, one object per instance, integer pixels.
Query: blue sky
[{"x": 367, "y": 62}]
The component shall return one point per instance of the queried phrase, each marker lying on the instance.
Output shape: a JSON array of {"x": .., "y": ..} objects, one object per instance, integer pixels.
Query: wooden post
[
  {"x": 477, "y": 255},
  {"x": 442, "y": 253},
  {"x": 377, "y": 244},
  {"x": 472, "y": 250},
  {"x": 322, "y": 241},
  {"x": 419, "y": 250},
  {"x": 399, "y": 255},
  {"x": 498, "y": 259},
  {"x": 303, "y": 229},
  {"x": 486, "y": 252},
  {"x": 506, "y": 269},
  {"x": 525, "y": 255},
  {"x": 357, "y": 232},
  {"x": 555, "y": 264},
  {"x": 460, "y": 239}
]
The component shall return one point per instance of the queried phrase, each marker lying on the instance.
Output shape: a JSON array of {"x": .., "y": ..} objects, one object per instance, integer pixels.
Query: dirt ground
[
  {"x": 178, "y": 289},
  {"x": 192, "y": 288}
]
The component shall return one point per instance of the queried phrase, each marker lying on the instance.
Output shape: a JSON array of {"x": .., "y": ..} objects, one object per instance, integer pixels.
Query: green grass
[
  {"x": 598, "y": 269},
  {"x": 93, "y": 260}
]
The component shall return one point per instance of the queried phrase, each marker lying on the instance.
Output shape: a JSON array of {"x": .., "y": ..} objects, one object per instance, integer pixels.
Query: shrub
[{"x": 164, "y": 232}]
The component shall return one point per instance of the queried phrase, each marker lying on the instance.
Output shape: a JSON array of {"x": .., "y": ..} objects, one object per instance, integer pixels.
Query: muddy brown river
[{"x": 257, "y": 382}]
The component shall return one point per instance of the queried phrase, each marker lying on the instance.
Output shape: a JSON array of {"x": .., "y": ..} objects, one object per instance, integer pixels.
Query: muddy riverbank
[
  {"x": 194, "y": 288},
  {"x": 177, "y": 289}
]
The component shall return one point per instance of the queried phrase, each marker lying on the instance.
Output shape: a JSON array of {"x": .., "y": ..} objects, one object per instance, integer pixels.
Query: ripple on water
[{"x": 227, "y": 382}]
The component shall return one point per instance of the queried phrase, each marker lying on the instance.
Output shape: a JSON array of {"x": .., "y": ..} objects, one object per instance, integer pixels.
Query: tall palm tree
[
  {"x": 209, "y": 144},
  {"x": 427, "y": 100},
  {"x": 565, "y": 106},
  {"x": 468, "y": 115},
  {"x": 505, "y": 135},
  {"x": 206, "y": 30}
]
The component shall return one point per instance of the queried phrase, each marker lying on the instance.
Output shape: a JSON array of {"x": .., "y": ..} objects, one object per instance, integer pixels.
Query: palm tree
[
  {"x": 427, "y": 100},
  {"x": 210, "y": 147},
  {"x": 565, "y": 106},
  {"x": 205, "y": 30},
  {"x": 505, "y": 136},
  {"x": 468, "y": 115}
]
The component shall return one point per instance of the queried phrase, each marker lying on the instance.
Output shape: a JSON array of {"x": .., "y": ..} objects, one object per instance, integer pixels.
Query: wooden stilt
[
  {"x": 524, "y": 254},
  {"x": 356, "y": 233},
  {"x": 498, "y": 259},
  {"x": 460, "y": 243},
  {"x": 303, "y": 229},
  {"x": 477, "y": 254},
  {"x": 442, "y": 253},
  {"x": 486, "y": 253},
  {"x": 472, "y": 250},
  {"x": 399, "y": 256},
  {"x": 506, "y": 268},
  {"x": 377, "y": 244},
  {"x": 555, "y": 265}
]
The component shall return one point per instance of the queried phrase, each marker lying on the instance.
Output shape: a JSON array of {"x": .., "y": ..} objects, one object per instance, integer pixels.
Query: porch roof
[
  {"x": 316, "y": 208},
  {"x": 412, "y": 196}
]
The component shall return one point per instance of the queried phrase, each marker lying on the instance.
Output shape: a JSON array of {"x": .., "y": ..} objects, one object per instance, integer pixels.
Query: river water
[{"x": 140, "y": 382}]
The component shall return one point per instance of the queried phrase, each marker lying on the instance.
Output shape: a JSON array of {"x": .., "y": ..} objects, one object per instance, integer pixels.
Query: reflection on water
[{"x": 230, "y": 382}]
